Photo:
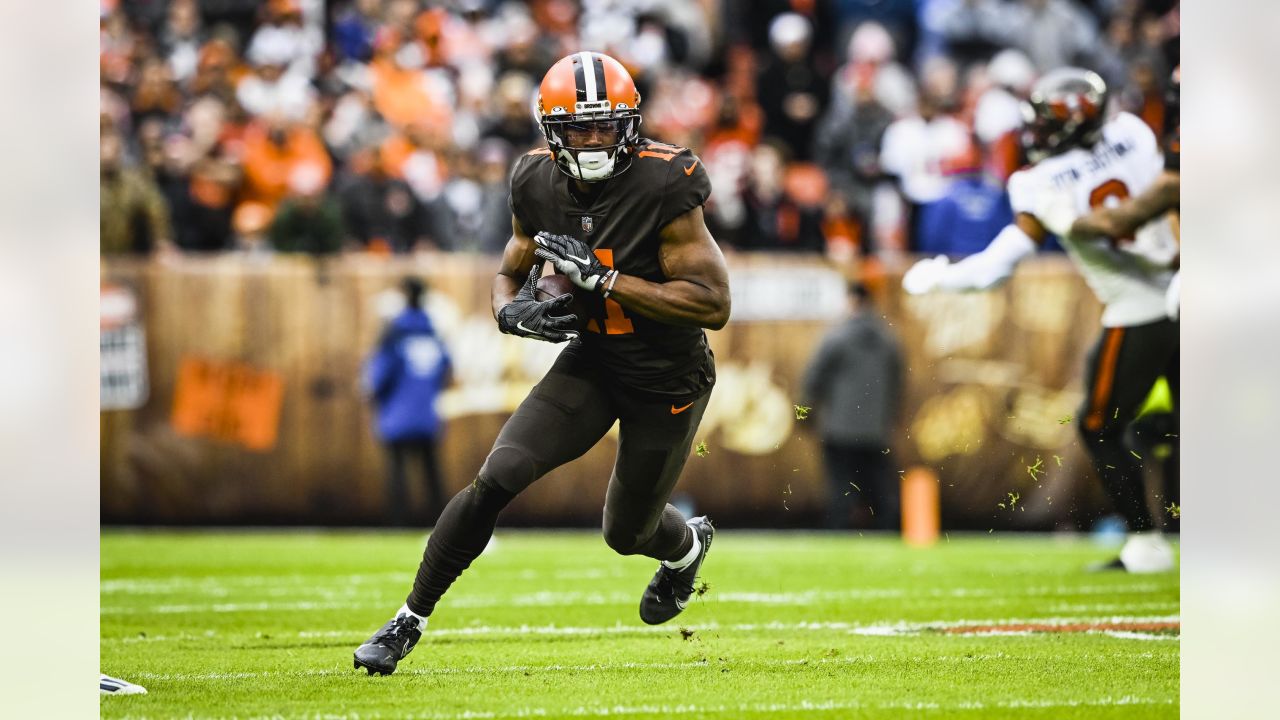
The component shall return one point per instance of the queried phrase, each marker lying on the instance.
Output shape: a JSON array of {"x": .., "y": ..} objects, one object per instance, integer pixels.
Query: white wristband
[{"x": 611, "y": 277}]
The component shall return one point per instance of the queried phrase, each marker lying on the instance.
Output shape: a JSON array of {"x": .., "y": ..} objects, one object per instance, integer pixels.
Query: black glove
[
  {"x": 525, "y": 316},
  {"x": 572, "y": 259}
]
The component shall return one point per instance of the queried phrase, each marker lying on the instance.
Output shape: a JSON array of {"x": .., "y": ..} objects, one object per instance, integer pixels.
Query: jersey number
[
  {"x": 1107, "y": 190},
  {"x": 660, "y": 150},
  {"x": 616, "y": 321}
]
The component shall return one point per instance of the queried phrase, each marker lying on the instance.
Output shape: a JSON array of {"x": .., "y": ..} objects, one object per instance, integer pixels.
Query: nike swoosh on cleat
[
  {"x": 676, "y": 411},
  {"x": 679, "y": 603},
  {"x": 689, "y": 170}
]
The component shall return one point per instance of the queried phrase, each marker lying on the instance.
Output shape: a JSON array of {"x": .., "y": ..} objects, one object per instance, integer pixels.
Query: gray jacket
[{"x": 854, "y": 382}]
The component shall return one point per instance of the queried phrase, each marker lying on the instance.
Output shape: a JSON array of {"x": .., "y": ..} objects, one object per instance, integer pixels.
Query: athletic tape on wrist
[{"x": 610, "y": 279}]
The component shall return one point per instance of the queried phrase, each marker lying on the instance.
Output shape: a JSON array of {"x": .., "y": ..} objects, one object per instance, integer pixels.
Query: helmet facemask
[
  {"x": 592, "y": 147},
  {"x": 1066, "y": 110}
]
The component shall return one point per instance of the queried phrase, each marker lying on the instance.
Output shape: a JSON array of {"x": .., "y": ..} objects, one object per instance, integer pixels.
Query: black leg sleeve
[
  {"x": 460, "y": 535},
  {"x": 1119, "y": 374},
  {"x": 564, "y": 415}
]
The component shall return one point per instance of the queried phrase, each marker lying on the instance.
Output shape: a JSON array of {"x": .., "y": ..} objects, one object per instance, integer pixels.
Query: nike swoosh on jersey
[
  {"x": 676, "y": 411},
  {"x": 689, "y": 170}
]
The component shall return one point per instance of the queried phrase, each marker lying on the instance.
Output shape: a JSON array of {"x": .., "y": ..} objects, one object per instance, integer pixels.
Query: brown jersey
[{"x": 621, "y": 219}]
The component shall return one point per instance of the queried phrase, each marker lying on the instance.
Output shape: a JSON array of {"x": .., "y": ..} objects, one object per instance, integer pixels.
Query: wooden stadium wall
[{"x": 991, "y": 380}]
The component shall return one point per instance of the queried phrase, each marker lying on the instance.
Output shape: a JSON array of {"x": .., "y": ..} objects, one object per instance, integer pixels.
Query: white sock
[
  {"x": 689, "y": 557},
  {"x": 422, "y": 619}
]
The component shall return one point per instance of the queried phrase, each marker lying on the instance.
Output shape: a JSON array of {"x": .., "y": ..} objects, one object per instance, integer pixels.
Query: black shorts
[
  {"x": 1121, "y": 369},
  {"x": 572, "y": 408}
]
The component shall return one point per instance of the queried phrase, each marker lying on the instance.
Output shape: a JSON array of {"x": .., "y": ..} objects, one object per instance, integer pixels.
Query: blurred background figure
[
  {"x": 853, "y": 385},
  {"x": 380, "y": 211},
  {"x": 404, "y": 377},
  {"x": 309, "y": 220},
  {"x": 134, "y": 218},
  {"x": 791, "y": 89},
  {"x": 973, "y": 209}
]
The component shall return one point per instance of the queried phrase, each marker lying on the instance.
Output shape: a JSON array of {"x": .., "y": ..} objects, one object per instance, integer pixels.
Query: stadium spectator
[
  {"x": 380, "y": 212},
  {"x": 848, "y": 145},
  {"x": 133, "y": 217},
  {"x": 1054, "y": 33},
  {"x": 781, "y": 215},
  {"x": 283, "y": 37},
  {"x": 871, "y": 69},
  {"x": 219, "y": 69},
  {"x": 273, "y": 149},
  {"x": 355, "y": 28},
  {"x": 790, "y": 89},
  {"x": 272, "y": 88},
  {"x": 462, "y": 70},
  {"x": 203, "y": 175},
  {"x": 512, "y": 121},
  {"x": 403, "y": 378},
  {"x": 997, "y": 119},
  {"x": 474, "y": 215},
  {"x": 156, "y": 96},
  {"x": 965, "y": 220},
  {"x": 181, "y": 38},
  {"x": 914, "y": 147},
  {"x": 417, "y": 156},
  {"x": 403, "y": 90},
  {"x": 853, "y": 385},
  {"x": 309, "y": 220}
]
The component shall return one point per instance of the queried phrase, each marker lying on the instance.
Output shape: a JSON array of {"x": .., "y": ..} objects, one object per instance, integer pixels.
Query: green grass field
[{"x": 545, "y": 625}]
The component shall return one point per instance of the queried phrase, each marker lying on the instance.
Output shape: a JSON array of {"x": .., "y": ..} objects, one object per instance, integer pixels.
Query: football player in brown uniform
[{"x": 620, "y": 216}]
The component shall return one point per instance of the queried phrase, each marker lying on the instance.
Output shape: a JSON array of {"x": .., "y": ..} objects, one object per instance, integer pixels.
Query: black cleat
[
  {"x": 669, "y": 590},
  {"x": 380, "y": 653}
]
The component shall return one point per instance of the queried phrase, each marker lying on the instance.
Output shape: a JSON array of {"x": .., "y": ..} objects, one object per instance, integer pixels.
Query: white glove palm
[
  {"x": 1173, "y": 296},
  {"x": 925, "y": 275}
]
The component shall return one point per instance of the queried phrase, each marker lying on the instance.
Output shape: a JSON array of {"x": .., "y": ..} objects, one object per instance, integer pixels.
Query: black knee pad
[{"x": 508, "y": 468}]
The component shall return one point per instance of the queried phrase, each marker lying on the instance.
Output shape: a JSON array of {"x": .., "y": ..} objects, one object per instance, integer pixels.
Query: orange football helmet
[{"x": 589, "y": 111}]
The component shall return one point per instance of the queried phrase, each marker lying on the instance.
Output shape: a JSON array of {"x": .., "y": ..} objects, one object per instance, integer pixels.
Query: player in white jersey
[{"x": 1080, "y": 162}]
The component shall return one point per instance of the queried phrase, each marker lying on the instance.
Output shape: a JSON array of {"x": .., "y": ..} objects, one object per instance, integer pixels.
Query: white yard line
[
  {"x": 560, "y": 598},
  {"x": 481, "y": 631},
  {"x": 664, "y": 710},
  {"x": 584, "y": 668}
]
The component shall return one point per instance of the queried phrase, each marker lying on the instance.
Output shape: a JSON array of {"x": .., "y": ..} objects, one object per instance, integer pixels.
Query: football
[{"x": 553, "y": 286}]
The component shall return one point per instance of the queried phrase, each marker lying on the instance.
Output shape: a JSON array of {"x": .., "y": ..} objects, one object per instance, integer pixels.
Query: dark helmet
[{"x": 1066, "y": 110}]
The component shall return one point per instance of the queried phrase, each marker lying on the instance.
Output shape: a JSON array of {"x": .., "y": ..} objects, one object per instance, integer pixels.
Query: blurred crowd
[{"x": 845, "y": 127}]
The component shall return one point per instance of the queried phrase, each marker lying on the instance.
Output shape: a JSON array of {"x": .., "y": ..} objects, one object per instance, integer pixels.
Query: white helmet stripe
[{"x": 588, "y": 74}]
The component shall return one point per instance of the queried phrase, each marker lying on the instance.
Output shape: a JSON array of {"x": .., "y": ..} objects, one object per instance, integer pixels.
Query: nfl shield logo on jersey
[{"x": 587, "y": 224}]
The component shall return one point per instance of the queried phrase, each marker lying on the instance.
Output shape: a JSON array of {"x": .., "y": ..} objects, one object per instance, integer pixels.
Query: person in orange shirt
[
  {"x": 273, "y": 150},
  {"x": 402, "y": 91}
]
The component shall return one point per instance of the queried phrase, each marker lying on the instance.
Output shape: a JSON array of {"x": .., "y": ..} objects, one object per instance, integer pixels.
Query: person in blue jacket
[
  {"x": 406, "y": 373},
  {"x": 967, "y": 218}
]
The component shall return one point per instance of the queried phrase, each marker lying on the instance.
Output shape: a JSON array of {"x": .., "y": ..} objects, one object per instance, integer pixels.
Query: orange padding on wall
[{"x": 229, "y": 401}]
